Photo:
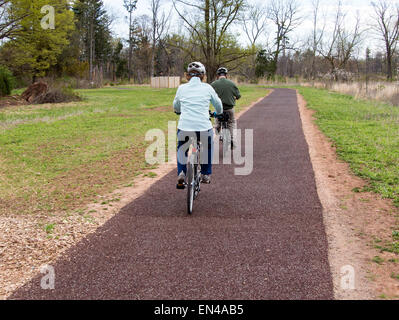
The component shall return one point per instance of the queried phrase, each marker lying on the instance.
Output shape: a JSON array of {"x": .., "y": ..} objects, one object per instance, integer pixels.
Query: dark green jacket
[{"x": 227, "y": 92}]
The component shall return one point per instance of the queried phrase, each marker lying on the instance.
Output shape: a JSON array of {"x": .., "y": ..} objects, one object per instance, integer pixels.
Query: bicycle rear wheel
[{"x": 191, "y": 184}]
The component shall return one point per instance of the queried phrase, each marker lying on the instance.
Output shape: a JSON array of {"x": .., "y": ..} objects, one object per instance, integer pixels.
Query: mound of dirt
[{"x": 35, "y": 91}]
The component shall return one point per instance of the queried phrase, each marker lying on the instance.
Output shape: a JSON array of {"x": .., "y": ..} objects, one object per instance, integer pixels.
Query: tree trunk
[
  {"x": 91, "y": 51},
  {"x": 209, "y": 62},
  {"x": 313, "y": 71},
  {"x": 389, "y": 64},
  {"x": 154, "y": 26},
  {"x": 129, "y": 67}
]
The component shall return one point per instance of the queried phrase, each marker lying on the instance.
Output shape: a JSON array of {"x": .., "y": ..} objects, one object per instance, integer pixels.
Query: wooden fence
[{"x": 165, "y": 82}]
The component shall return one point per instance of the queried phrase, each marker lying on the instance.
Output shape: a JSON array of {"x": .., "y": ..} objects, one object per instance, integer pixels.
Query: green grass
[
  {"x": 378, "y": 260},
  {"x": 18, "y": 91},
  {"x": 365, "y": 134},
  {"x": 57, "y": 157},
  {"x": 49, "y": 228},
  {"x": 151, "y": 175},
  {"x": 395, "y": 276}
]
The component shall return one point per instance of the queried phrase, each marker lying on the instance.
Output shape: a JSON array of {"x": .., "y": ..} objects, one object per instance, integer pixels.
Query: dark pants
[
  {"x": 231, "y": 125},
  {"x": 206, "y": 137}
]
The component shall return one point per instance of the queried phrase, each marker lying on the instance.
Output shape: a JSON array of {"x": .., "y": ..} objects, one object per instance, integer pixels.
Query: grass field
[
  {"x": 366, "y": 135},
  {"x": 61, "y": 156}
]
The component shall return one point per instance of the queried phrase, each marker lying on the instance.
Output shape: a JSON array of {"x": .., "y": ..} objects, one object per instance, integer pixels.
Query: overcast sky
[{"x": 363, "y": 7}]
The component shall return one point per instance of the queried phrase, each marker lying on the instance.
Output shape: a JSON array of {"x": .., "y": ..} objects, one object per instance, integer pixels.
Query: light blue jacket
[{"x": 192, "y": 101}]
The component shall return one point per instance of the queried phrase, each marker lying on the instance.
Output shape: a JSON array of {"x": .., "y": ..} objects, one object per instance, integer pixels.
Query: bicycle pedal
[{"x": 180, "y": 187}]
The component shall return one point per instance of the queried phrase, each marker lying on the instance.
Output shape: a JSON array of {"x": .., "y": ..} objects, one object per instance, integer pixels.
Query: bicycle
[{"x": 193, "y": 176}]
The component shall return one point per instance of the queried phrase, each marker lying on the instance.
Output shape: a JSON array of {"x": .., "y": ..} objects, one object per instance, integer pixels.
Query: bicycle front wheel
[{"x": 190, "y": 187}]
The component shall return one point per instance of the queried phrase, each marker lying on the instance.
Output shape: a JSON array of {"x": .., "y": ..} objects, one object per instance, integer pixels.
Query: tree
[
  {"x": 94, "y": 25},
  {"x": 9, "y": 20},
  {"x": 130, "y": 6},
  {"x": 159, "y": 26},
  {"x": 117, "y": 61},
  {"x": 208, "y": 23},
  {"x": 386, "y": 16},
  {"x": 285, "y": 16},
  {"x": 141, "y": 48},
  {"x": 254, "y": 21},
  {"x": 317, "y": 36},
  {"x": 68, "y": 62},
  {"x": 171, "y": 59},
  {"x": 339, "y": 49},
  {"x": 265, "y": 64},
  {"x": 37, "y": 48}
]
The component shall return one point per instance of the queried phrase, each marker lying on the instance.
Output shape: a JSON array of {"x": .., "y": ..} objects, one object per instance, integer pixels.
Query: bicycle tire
[{"x": 190, "y": 187}]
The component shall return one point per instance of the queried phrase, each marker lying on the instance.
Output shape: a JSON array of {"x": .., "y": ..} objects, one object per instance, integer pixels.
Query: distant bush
[
  {"x": 57, "y": 95},
  {"x": 7, "y": 81}
]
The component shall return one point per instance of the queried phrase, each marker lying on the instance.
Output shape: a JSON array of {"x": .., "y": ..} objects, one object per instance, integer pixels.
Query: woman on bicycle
[{"x": 192, "y": 102}]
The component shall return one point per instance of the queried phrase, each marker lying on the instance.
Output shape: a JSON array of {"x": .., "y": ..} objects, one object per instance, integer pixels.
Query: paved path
[{"x": 251, "y": 237}]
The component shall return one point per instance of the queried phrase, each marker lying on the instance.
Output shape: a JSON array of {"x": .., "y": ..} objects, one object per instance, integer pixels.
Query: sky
[{"x": 351, "y": 7}]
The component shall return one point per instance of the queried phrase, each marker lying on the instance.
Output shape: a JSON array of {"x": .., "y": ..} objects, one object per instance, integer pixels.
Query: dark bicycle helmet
[
  {"x": 223, "y": 71},
  {"x": 195, "y": 68}
]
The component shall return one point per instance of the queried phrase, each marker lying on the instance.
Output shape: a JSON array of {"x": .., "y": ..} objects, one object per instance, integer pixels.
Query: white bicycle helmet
[
  {"x": 223, "y": 71},
  {"x": 196, "y": 68}
]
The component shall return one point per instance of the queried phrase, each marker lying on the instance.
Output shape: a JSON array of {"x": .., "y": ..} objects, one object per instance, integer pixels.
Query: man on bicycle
[
  {"x": 228, "y": 93},
  {"x": 192, "y": 102}
]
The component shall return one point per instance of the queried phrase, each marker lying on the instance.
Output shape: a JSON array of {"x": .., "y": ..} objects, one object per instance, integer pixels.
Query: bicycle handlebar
[{"x": 221, "y": 117}]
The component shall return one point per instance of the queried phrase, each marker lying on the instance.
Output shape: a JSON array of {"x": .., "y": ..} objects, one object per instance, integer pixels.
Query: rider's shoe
[
  {"x": 181, "y": 179},
  {"x": 206, "y": 179}
]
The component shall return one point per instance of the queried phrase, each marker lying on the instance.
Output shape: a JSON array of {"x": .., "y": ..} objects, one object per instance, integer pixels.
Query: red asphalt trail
[{"x": 251, "y": 237}]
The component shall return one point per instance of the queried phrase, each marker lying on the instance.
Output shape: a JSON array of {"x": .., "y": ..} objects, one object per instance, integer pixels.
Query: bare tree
[
  {"x": 340, "y": 47},
  {"x": 130, "y": 6},
  {"x": 142, "y": 47},
  {"x": 285, "y": 16},
  {"x": 387, "y": 26},
  {"x": 208, "y": 23},
  {"x": 9, "y": 22},
  {"x": 159, "y": 28},
  {"x": 317, "y": 35},
  {"x": 254, "y": 21}
]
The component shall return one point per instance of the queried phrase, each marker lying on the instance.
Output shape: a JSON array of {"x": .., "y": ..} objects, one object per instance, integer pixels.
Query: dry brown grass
[{"x": 387, "y": 92}]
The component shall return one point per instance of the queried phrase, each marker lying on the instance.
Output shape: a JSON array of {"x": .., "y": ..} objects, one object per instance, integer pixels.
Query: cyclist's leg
[
  {"x": 183, "y": 144},
  {"x": 218, "y": 126},
  {"x": 206, "y": 151},
  {"x": 232, "y": 126}
]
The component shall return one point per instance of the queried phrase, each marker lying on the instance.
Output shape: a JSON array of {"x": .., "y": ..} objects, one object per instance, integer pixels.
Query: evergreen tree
[{"x": 95, "y": 35}]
